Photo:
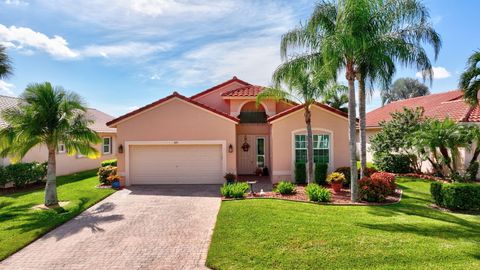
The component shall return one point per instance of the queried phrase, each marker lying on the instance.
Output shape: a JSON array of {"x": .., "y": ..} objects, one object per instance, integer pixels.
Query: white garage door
[{"x": 176, "y": 164}]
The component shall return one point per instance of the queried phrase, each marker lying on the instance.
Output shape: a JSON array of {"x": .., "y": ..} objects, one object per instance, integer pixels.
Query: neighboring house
[
  {"x": 196, "y": 140},
  {"x": 69, "y": 164},
  {"x": 449, "y": 104}
]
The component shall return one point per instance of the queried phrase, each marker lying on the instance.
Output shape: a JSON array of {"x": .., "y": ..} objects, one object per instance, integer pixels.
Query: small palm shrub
[
  {"x": 234, "y": 190},
  {"x": 284, "y": 188},
  {"x": 317, "y": 193},
  {"x": 321, "y": 173},
  {"x": 105, "y": 172},
  {"x": 336, "y": 177}
]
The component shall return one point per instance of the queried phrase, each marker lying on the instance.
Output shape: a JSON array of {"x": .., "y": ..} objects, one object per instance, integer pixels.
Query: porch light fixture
[
  {"x": 245, "y": 145},
  {"x": 230, "y": 148},
  {"x": 120, "y": 149}
]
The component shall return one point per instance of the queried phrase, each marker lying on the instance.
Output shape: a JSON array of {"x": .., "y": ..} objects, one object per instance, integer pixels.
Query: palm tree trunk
[
  {"x": 352, "y": 122},
  {"x": 51, "y": 187},
  {"x": 308, "y": 121},
  {"x": 363, "y": 135}
]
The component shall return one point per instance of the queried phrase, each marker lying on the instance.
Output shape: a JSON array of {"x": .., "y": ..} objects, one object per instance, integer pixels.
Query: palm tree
[
  {"x": 304, "y": 85},
  {"x": 5, "y": 65},
  {"x": 48, "y": 116},
  {"x": 470, "y": 79},
  {"x": 336, "y": 96}
]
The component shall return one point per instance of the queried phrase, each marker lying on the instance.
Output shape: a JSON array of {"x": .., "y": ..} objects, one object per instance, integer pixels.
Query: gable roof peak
[{"x": 209, "y": 90}]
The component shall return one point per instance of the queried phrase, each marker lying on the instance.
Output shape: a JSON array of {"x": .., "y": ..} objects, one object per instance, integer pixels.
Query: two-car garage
[{"x": 175, "y": 164}]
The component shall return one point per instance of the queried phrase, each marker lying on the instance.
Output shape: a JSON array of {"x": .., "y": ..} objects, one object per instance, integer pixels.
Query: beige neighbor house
[
  {"x": 196, "y": 140},
  {"x": 440, "y": 106},
  {"x": 69, "y": 164}
]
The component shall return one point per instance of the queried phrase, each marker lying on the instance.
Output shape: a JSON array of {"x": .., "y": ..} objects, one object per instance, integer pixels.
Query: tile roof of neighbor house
[
  {"x": 442, "y": 105},
  {"x": 300, "y": 106},
  {"x": 100, "y": 118},
  {"x": 234, "y": 79},
  {"x": 162, "y": 100},
  {"x": 247, "y": 91}
]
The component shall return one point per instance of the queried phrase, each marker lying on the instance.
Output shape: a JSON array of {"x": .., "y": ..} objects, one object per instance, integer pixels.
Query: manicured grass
[
  {"x": 274, "y": 234},
  {"x": 20, "y": 225}
]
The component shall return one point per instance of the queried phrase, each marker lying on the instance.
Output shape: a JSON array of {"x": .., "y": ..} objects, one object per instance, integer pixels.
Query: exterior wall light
[
  {"x": 230, "y": 148},
  {"x": 120, "y": 149}
]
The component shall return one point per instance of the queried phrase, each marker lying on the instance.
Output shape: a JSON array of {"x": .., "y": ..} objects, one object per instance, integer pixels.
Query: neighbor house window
[
  {"x": 61, "y": 148},
  {"x": 321, "y": 148},
  {"x": 107, "y": 145},
  {"x": 261, "y": 152}
]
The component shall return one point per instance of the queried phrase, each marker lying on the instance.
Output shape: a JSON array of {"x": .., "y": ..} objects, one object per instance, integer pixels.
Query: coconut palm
[
  {"x": 336, "y": 96},
  {"x": 5, "y": 64},
  {"x": 303, "y": 85},
  {"x": 47, "y": 116},
  {"x": 470, "y": 79}
]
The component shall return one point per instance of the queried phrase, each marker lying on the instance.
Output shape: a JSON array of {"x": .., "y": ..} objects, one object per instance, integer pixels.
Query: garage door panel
[{"x": 176, "y": 164}]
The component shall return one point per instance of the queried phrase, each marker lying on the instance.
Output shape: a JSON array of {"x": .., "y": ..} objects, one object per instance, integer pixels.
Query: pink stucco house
[{"x": 197, "y": 139}]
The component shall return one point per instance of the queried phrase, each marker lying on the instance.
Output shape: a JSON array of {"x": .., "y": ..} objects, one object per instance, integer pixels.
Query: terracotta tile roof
[
  {"x": 234, "y": 79},
  {"x": 300, "y": 106},
  {"x": 442, "y": 105},
  {"x": 246, "y": 91},
  {"x": 162, "y": 100}
]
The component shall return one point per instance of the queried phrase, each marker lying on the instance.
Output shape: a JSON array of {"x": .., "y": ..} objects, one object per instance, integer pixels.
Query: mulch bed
[
  {"x": 340, "y": 198},
  {"x": 28, "y": 187}
]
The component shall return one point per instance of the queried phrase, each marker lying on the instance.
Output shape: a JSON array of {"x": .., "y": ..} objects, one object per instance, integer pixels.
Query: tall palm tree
[
  {"x": 48, "y": 116},
  {"x": 304, "y": 85},
  {"x": 5, "y": 64},
  {"x": 336, "y": 96},
  {"x": 470, "y": 79}
]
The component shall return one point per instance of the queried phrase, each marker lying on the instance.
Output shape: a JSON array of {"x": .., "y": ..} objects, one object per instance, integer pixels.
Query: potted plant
[
  {"x": 336, "y": 181},
  {"x": 230, "y": 178},
  {"x": 114, "y": 179},
  {"x": 258, "y": 171}
]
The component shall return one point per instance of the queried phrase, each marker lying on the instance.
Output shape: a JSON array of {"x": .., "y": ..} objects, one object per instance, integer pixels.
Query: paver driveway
[{"x": 142, "y": 227}]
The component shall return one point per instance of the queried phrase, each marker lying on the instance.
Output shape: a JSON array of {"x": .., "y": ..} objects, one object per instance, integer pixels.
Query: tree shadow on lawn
[{"x": 41, "y": 219}]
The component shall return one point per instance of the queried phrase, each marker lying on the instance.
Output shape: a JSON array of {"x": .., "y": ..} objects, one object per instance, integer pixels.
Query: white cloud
[
  {"x": 22, "y": 37},
  {"x": 173, "y": 7},
  {"x": 6, "y": 88},
  {"x": 123, "y": 50},
  {"x": 438, "y": 73},
  {"x": 16, "y": 2}
]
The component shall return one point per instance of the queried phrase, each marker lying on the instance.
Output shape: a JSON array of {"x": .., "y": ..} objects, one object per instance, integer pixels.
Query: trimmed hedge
[
  {"x": 394, "y": 163},
  {"x": 300, "y": 173},
  {"x": 3, "y": 177},
  {"x": 109, "y": 162},
  {"x": 21, "y": 174},
  {"x": 456, "y": 196},
  {"x": 321, "y": 173}
]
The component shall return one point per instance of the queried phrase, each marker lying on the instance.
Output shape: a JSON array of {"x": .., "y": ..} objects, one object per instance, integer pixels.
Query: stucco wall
[
  {"x": 177, "y": 120},
  {"x": 69, "y": 164},
  {"x": 323, "y": 122},
  {"x": 370, "y": 132},
  {"x": 214, "y": 99}
]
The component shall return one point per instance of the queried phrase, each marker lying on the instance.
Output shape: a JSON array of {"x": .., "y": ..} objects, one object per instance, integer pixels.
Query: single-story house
[
  {"x": 198, "y": 139},
  {"x": 70, "y": 164},
  {"x": 440, "y": 106}
]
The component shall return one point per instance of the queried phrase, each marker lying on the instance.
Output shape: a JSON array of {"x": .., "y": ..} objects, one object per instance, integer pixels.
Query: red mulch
[
  {"x": 340, "y": 198},
  {"x": 28, "y": 187}
]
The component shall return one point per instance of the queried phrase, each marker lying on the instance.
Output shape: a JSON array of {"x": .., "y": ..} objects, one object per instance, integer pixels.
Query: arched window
[{"x": 251, "y": 113}]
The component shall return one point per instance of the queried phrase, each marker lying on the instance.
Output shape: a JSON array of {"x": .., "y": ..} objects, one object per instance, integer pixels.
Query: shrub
[
  {"x": 300, "y": 173},
  {"x": 321, "y": 173},
  {"x": 376, "y": 188},
  {"x": 285, "y": 187},
  {"x": 456, "y": 196},
  {"x": 3, "y": 177},
  {"x": 105, "y": 172},
  {"x": 317, "y": 193},
  {"x": 230, "y": 177},
  {"x": 388, "y": 177},
  {"x": 336, "y": 177},
  {"x": 472, "y": 171},
  {"x": 369, "y": 171},
  {"x": 235, "y": 190},
  {"x": 109, "y": 162},
  {"x": 394, "y": 163},
  {"x": 346, "y": 171},
  {"x": 22, "y": 174}
]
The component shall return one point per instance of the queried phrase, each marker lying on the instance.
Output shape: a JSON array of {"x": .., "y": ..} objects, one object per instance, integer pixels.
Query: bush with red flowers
[{"x": 377, "y": 187}]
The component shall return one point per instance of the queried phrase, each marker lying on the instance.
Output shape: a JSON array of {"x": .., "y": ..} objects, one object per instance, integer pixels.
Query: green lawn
[
  {"x": 275, "y": 234},
  {"x": 20, "y": 225}
]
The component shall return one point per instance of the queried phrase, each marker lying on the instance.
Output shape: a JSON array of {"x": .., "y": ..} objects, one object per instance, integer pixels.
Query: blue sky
[{"x": 120, "y": 55}]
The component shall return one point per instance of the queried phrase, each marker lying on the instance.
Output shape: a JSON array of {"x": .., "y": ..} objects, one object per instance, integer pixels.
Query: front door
[{"x": 255, "y": 157}]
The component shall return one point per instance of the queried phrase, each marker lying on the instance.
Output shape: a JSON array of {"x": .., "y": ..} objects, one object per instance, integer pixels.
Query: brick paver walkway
[{"x": 142, "y": 227}]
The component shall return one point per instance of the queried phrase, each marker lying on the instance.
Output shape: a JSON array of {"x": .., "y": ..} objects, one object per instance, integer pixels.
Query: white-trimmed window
[
  {"x": 321, "y": 148},
  {"x": 260, "y": 152},
  {"x": 61, "y": 148},
  {"x": 107, "y": 145}
]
